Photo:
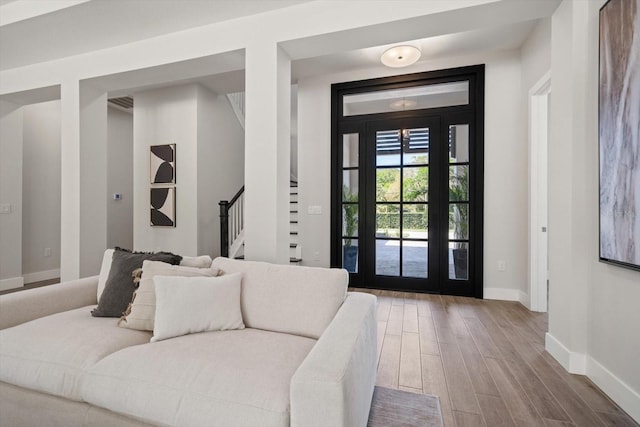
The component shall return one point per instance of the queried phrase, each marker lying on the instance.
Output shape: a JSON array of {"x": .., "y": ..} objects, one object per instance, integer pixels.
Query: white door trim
[{"x": 538, "y": 194}]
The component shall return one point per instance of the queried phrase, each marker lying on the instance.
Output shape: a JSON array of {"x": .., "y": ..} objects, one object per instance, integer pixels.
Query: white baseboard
[
  {"x": 13, "y": 283},
  {"x": 582, "y": 364},
  {"x": 39, "y": 276},
  {"x": 575, "y": 363},
  {"x": 503, "y": 294},
  {"x": 627, "y": 398},
  {"x": 524, "y": 299}
]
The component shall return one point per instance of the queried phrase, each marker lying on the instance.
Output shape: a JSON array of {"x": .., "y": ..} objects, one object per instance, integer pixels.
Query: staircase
[
  {"x": 295, "y": 250},
  {"x": 232, "y": 213},
  {"x": 232, "y": 226}
]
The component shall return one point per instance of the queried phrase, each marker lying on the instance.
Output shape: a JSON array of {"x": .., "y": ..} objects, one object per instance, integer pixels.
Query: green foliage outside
[
  {"x": 349, "y": 213},
  {"x": 416, "y": 185},
  {"x": 415, "y": 188},
  {"x": 459, "y": 191}
]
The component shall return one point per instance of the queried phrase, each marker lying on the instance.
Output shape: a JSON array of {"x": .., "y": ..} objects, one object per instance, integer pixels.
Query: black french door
[{"x": 407, "y": 193}]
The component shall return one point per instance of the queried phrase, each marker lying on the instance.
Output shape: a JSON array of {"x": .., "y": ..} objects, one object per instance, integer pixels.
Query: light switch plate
[
  {"x": 314, "y": 210},
  {"x": 5, "y": 208}
]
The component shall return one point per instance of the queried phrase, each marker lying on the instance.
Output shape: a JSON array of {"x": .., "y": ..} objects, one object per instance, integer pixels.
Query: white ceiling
[
  {"x": 97, "y": 24},
  {"x": 100, "y": 24},
  {"x": 489, "y": 39}
]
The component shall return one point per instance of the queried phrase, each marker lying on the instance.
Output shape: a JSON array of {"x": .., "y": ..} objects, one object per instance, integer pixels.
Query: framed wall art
[
  {"x": 163, "y": 207},
  {"x": 163, "y": 164},
  {"x": 619, "y": 133}
]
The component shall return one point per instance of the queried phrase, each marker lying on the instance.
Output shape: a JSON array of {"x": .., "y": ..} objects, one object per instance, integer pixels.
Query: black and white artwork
[
  {"x": 619, "y": 132},
  {"x": 163, "y": 164},
  {"x": 163, "y": 207}
]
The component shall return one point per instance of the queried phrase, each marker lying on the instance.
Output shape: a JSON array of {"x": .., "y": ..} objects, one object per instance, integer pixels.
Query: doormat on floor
[{"x": 397, "y": 408}]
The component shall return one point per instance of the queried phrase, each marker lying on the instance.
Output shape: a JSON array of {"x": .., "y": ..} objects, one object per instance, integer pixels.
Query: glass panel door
[
  {"x": 398, "y": 238},
  {"x": 402, "y": 201},
  {"x": 458, "y": 202},
  {"x": 350, "y": 201}
]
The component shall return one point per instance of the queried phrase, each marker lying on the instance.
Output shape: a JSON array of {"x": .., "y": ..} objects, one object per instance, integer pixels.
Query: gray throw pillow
[{"x": 119, "y": 287}]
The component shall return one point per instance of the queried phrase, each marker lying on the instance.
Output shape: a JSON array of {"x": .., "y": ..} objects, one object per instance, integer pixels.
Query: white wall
[
  {"x": 11, "y": 193},
  {"x": 535, "y": 54},
  {"x": 119, "y": 178},
  {"x": 210, "y": 167},
  {"x": 41, "y": 191},
  {"x": 166, "y": 116},
  {"x": 505, "y": 156},
  {"x": 220, "y": 164},
  {"x": 594, "y": 321}
]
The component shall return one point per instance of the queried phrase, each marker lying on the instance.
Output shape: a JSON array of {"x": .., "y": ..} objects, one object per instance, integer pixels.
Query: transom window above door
[{"x": 406, "y": 99}]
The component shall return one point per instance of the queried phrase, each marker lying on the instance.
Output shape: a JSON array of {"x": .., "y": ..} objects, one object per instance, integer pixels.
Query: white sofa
[{"x": 307, "y": 357}]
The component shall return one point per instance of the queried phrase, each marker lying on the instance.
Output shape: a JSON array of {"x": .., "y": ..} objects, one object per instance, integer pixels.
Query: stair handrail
[{"x": 230, "y": 232}]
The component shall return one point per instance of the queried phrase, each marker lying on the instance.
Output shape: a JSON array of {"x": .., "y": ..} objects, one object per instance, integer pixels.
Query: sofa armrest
[
  {"x": 334, "y": 384},
  {"x": 23, "y": 306}
]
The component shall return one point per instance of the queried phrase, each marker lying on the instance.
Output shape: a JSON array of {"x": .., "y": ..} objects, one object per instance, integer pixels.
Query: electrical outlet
[
  {"x": 5, "y": 208},
  {"x": 47, "y": 252},
  {"x": 316, "y": 256},
  {"x": 502, "y": 265},
  {"x": 314, "y": 210}
]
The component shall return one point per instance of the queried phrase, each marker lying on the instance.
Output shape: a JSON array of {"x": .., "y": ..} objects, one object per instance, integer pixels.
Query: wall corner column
[
  {"x": 267, "y": 152},
  {"x": 83, "y": 179},
  {"x": 11, "y": 119}
]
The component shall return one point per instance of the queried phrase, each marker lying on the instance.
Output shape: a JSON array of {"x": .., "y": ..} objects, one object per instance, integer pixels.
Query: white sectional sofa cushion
[
  {"x": 288, "y": 299},
  {"x": 203, "y": 261},
  {"x": 188, "y": 305},
  {"x": 229, "y": 378},
  {"x": 52, "y": 353},
  {"x": 142, "y": 310}
]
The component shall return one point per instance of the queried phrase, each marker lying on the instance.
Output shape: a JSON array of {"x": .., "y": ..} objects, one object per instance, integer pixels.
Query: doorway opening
[
  {"x": 407, "y": 181},
  {"x": 539, "y": 98}
]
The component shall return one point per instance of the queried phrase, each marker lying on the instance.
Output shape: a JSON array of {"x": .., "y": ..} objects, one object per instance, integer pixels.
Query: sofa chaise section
[
  {"x": 226, "y": 378},
  {"x": 23, "y": 306},
  {"x": 52, "y": 354},
  {"x": 307, "y": 358}
]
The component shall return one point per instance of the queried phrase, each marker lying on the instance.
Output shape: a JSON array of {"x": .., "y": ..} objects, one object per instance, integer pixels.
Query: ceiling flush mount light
[
  {"x": 403, "y": 104},
  {"x": 400, "y": 56}
]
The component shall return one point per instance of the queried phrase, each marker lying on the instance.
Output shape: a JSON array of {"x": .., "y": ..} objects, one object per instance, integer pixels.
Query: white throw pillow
[
  {"x": 104, "y": 271},
  {"x": 186, "y": 305},
  {"x": 202, "y": 261},
  {"x": 142, "y": 309}
]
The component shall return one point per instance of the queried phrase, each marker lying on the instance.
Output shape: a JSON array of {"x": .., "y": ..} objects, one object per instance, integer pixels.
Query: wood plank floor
[
  {"x": 485, "y": 360},
  {"x": 32, "y": 286}
]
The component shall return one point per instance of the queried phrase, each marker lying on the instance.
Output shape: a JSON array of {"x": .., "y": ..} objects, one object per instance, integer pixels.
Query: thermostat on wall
[{"x": 117, "y": 196}]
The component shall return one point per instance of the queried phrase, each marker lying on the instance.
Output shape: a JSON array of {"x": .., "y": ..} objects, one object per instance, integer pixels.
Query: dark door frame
[{"x": 358, "y": 124}]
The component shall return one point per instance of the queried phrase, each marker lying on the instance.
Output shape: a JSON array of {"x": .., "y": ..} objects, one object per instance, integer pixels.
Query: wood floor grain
[
  {"x": 486, "y": 361},
  {"x": 32, "y": 286}
]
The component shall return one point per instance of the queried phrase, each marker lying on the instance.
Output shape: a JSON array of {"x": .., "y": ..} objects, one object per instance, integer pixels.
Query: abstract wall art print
[
  {"x": 619, "y": 133},
  {"x": 163, "y": 207},
  {"x": 163, "y": 164}
]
